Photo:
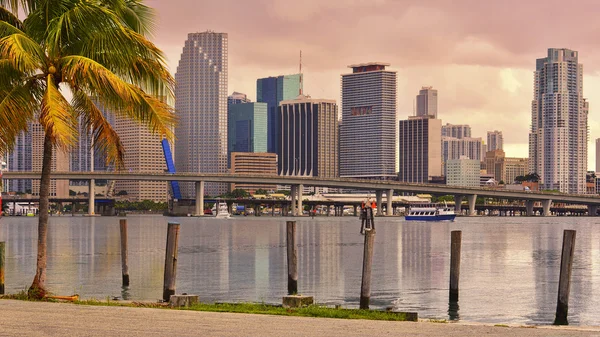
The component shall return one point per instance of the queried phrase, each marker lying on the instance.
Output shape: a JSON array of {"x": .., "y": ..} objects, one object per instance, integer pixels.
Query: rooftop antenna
[{"x": 301, "y": 84}]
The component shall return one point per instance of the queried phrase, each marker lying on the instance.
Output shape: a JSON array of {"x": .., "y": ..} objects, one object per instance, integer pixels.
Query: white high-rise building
[
  {"x": 427, "y": 102},
  {"x": 201, "y": 106},
  {"x": 456, "y": 131},
  {"x": 368, "y": 133},
  {"x": 559, "y": 123},
  {"x": 456, "y": 148},
  {"x": 495, "y": 140}
]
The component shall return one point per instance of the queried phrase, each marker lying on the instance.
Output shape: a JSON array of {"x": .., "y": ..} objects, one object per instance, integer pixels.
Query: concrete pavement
[{"x": 20, "y": 318}]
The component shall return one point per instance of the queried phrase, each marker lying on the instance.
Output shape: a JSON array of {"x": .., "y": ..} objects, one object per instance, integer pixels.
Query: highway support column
[{"x": 199, "y": 198}]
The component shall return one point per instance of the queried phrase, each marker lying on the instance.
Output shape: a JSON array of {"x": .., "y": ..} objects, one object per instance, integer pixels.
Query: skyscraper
[
  {"x": 495, "y": 140},
  {"x": 143, "y": 153},
  {"x": 419, "y": 149},
  {"x": 368, "y": 134},
  {"x": 308, "y": 138},
  {"x": 201, "y": 105},
  {"x": 247, "y": 128},
  {"x": 455, "y": 148},
  {"x": 456, "y": 131},
  {"x": 427, "y": 102},
  {"x": 20, "y": 159},
  {"x": 272, "y": 90},
  {"x": 559, "y": 123},
  {"x": 237, "y": 98}
]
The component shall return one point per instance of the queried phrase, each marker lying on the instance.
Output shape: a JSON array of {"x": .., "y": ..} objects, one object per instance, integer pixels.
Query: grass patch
[
  {"x": 254, "y": 308},
  {"x": 433, "y": 320},
  {"x": 267, "y": 309},
  {"x": 501, "y": 325},
  {"x": 310, "y": 311}
]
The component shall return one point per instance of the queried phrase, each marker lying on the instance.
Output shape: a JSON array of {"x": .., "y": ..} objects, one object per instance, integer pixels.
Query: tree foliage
[{"x": 98, "y": 52}]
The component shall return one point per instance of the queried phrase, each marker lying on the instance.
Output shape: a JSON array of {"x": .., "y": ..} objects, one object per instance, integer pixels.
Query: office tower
[
  {"x": 247, "y": 128},
  {"x": 495, "y": 140},
  {"x": 559, "y": 123},
  {"x": 60, "y": 163},
  {"x": 201, "y": 106},
  {"x": 427, "y": 102},
  {"x": 253, "y": 163},
  {"x": 273, "y": 90},
  {"x": 504, "y": 168},
  {"x": 455, "y": 148},
  {"x": 308, "y": 138},
  {"x": 598, "y": 155},
  {"x": 143, "y": 153},
  {"x": 419, "y": 149},
  {"x": 456, "y": 131},
  {"x": 80, "y": 154},
  {"x": 463, "y": 172},
  {"x": 237, "y": 98},
  {"x": 368, "y": 134},
  {"x": 20, "y": 159}
]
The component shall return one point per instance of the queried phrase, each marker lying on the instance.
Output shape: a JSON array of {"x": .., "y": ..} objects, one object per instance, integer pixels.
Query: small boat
[
  {"x": 430, "y": 212},
  {"x": 221, "y": 210}
]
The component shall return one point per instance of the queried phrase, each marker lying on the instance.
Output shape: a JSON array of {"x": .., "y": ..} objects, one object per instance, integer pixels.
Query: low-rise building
[{"x": 253, "y": 163}]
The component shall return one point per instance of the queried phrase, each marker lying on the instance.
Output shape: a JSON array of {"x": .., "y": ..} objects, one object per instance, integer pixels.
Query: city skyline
[{"x": 480, "y": 69}]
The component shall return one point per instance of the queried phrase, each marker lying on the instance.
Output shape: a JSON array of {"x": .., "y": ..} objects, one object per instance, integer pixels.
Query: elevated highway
[{"x": 297, "y": 183}]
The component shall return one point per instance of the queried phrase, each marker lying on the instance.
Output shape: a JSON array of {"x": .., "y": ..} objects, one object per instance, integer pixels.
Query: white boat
[
  {"x": 430, "y": 212},
  {"x": 221, "y": 210}
]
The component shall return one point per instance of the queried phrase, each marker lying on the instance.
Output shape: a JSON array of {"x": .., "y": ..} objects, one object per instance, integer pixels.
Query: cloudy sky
[{"x": 479, "y": 54}]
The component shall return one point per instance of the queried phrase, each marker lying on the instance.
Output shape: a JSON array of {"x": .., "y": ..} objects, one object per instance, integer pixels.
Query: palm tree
[{"x": 96, "y": 52}]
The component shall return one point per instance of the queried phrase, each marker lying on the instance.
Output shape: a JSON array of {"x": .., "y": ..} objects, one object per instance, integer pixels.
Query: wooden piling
[
  {"x": 2, "y": 264},
  {"x": 292, "y": 258},
  {"x": 365, "y": 289},
  {"x": 455, "y": 245},
  {"x": 171, "y": 260},
  {"x": 564, "y": 283},
  {"x": 124, "y": 252}
]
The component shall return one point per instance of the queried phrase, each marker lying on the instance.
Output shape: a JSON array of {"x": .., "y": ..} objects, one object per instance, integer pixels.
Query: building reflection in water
[{"x": 509, "y": 266}]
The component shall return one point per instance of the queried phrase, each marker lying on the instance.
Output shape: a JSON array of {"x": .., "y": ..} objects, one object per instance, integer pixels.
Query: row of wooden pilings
[{"x": 170, "y": 272}]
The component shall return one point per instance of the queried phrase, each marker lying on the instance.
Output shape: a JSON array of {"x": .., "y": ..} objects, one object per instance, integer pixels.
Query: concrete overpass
[{"x": 297, "y": 183}]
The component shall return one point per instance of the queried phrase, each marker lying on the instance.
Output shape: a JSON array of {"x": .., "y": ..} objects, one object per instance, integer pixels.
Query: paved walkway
[{"x": 19, "y": 318}]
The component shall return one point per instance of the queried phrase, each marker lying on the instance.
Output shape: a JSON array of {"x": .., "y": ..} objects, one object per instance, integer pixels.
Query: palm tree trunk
[{"x": 38, "y": 287}]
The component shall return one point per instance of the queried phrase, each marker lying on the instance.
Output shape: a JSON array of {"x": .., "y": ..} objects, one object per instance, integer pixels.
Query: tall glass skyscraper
[
  {"x": 368, "y": 134},
  {"x": 559, "y": 123},
  {"x": 247, "y": 127},
  {"x": 201, "y": 105},
  {"x": 273, "y": 90}
]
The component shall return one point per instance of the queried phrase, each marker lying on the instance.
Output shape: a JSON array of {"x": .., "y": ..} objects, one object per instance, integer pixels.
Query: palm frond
[
  {"x": 128, "y": 55},
  {"x": 139, "y": 17},
  {"x": 6, "y": 29},
  {"x": 25, "y": 54},
  {"x": 57, "y": 116},
  {"x": 104, "y": 136},
  {"x": 123, "y": 98},
  {"x": 12, "y": 19},
  {"x": 11, "y": 77},
  {"x": 17, "y": 108}
]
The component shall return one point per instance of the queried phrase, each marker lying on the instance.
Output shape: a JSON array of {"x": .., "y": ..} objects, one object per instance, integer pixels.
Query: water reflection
[{"x": 509, "y": 268}]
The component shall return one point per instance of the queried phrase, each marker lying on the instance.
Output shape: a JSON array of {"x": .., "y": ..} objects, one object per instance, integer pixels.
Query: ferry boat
[{"x": 430, "y": 212}]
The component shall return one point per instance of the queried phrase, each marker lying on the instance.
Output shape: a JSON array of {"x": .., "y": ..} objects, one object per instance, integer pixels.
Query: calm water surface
[{"x": 509, "y": 270}]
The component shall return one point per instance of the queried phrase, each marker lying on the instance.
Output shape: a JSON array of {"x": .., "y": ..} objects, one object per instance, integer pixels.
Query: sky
[{"x": 480, "y": 55}]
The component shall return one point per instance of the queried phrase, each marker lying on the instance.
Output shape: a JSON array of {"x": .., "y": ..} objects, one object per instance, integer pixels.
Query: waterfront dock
[{"x": 21, "y": 318}]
